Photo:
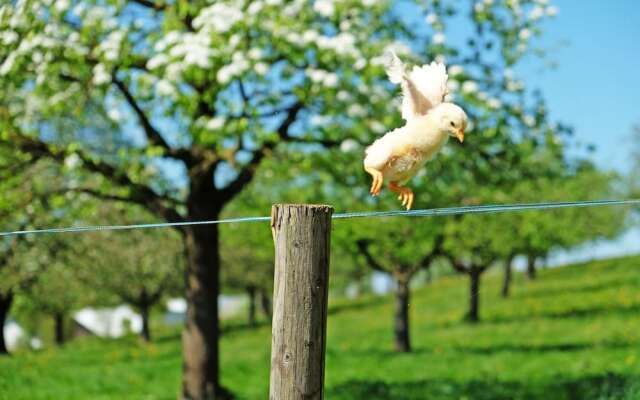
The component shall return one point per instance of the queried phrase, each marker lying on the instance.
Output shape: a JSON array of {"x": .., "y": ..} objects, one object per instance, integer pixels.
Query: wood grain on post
[{"x": 301, "y": 234}]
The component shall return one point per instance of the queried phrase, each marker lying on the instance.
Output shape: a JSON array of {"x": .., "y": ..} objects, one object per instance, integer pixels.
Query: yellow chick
[{"x": 400, "y": 153}]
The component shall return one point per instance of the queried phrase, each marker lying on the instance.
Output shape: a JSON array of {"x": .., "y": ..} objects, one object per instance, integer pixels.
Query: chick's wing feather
[
  {"x": 431, "y": 81},
  {"x": 414, "y": 103}
]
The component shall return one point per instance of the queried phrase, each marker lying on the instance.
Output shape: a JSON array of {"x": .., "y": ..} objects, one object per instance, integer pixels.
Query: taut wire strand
[{"x": 433, "y": 212}]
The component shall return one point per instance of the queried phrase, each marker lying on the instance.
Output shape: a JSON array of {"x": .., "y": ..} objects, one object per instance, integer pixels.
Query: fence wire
[{"x": 433, "y": 212}]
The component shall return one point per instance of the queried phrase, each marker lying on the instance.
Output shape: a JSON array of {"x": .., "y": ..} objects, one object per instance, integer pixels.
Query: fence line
[{"x": 433, "y": 212}]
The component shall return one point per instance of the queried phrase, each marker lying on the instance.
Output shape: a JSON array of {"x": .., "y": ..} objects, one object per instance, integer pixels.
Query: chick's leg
[
  {"x": 406, "y": 194},
  {"x": 376, "y": 185}
]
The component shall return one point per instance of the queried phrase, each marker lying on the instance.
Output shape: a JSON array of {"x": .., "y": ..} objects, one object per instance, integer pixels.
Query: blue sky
[
  {"x": 596, "y": 85},
  {"x": 595, "y": 88}
]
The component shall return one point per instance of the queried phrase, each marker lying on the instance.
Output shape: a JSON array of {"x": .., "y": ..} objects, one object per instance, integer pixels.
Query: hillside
[{"x": 572, "y": 334}]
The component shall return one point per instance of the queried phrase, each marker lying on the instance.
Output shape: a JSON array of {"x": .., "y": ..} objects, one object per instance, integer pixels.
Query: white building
[
  {"x": 13, "y": 334},
  {"x": 108, "y": 322}
]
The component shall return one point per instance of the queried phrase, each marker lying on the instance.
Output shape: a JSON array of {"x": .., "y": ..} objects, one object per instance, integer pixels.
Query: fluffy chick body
[{"x": 400, "y": 153}]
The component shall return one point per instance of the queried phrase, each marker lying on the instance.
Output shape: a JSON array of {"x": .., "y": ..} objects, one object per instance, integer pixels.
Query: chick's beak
[{"x": 460, "y": 135}]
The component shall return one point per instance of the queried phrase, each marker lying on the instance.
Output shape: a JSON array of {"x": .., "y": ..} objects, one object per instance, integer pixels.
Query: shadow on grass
[
  {"x": 358, "y": 304},
  {"x": 559, "y": 347},
  {"x": 585, "y": 288},
  {"x": 602, "y": 387},
  {"x": 599, "y": 311}
]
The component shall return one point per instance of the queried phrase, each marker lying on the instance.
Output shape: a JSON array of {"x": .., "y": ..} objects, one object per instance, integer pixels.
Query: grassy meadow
[{"x": 574, "y": 333}]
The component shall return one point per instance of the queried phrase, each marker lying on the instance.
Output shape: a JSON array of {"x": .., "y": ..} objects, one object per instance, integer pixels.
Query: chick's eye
[{"x": 452, "y": 124}]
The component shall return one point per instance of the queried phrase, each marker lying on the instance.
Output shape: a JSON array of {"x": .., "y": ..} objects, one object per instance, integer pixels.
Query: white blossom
[
  {"x": 8, "y": 37},
  {"x": 349, "y": 145},
  {"x": 319, "y": 120},
  {"x": 261, "y": 68},
  {"x": 479, "y": 7},
  {"x": 324, "y": 7},
  {"x": 62, "y": 5},
  {"x": 453, "y": 85},
  {"x": 455, "y": 70},
  {"x": 215, "y": 123},
  {"x": 529, "y": 121},
  {"x": 310, "y": 36},
  {"x": 255, "y": 7},
  {"x": 165, "y": 88},
  {"x": 114, "y": 114},
  {"x": 359, "y": 64},
  {"x": 343, "y": 95},
  {"x": 438, "y": 38},
  {"x": 377, "y": 126},
  {"x": 220, "y": 17},
  {"x": 72, "y": 161},
  {"x": 469, "y": 87},
  {"x": 431, "y": 18},
  {"x": 552, "y": 11},
  {"x": 331, "y": 80},
  {"x": 524, "y": 34},
  {"x": 156, "y": 61},
  {"x": 255, "y": 53},
  {"x": 7, "y": 65},
  {"x": 100, "y": 75},
  {"x": 494, "y": 103},
  {"x": 356, "y": 110},
  {"x": 536, "y": 13}
]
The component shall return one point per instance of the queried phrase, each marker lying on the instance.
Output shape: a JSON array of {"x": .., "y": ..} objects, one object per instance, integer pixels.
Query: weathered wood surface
[{"x": 301, "y": 235}]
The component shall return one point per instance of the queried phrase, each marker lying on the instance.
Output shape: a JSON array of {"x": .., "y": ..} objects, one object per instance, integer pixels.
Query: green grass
[{"x": 572, "y": 334}]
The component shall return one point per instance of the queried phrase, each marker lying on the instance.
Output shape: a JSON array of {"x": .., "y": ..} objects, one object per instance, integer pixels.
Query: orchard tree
[
  {"x": 137, "y": 267},
  {"x": 31, "y": 196},
  {"x": 247, "y": 265},
  {"x": 206, "y": 92},
  {"x": 472, "y": 247},
  {"x": 400, "y": 248}
]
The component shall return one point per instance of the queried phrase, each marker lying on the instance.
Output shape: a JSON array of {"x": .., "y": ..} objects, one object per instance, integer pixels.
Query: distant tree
[
  {"x": 137, "y": 267},
  {"x": 472, "y": 247},
  {"x": 247, "y": 265},
  {"x": 400, "y": 249},
  {"x": 55, "y": 290},
  {"x": 31, "y": 195}
]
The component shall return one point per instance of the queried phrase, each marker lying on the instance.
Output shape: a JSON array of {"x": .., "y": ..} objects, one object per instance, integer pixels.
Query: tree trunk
[
  {"x": 251, "y": 293},
  {"x": 474, "y": 295},
  {"x": 401, "y": 317},
  {"x": 200, "y": 379},
  {"x": 265, "y": 304},
  {"x": 506, "y": 279},
  {"x": 58, "y": 322},
  {"x": 5, "y": 305},
  {"x": 531, "y": 266},
  {"x": 146, "y": 330}
]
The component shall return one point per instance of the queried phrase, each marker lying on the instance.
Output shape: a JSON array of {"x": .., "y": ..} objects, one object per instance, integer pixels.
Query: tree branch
[
  {"x": 152, "y": 133},
  {"x": 150, "y": 4},
  {"x": 363, "y": 247},
  {"x": 249, "y": 170},
  {"x": 139, "y": 193}
]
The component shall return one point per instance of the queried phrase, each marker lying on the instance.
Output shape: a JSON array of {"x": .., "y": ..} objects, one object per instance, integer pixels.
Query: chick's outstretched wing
[{"x": 423, "y": 88}]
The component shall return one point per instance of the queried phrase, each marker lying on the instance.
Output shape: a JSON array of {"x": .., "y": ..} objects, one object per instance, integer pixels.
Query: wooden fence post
[{"x": 301, "y": 235}]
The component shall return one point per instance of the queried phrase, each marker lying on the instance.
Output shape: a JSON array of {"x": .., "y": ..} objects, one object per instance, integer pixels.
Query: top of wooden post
[{"x": 276, "y": 214}]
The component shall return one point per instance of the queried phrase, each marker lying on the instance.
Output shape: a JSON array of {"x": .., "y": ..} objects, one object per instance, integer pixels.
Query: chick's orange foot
[
  {"x": 378, "y": 179},
  {"x": 406, "y": 194}
]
